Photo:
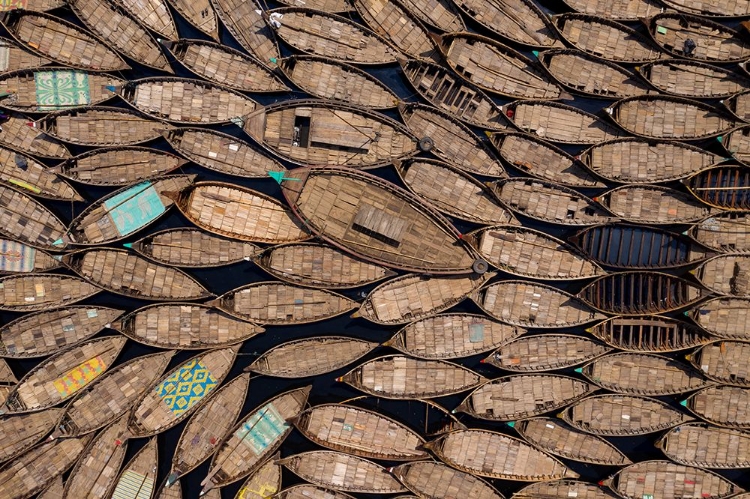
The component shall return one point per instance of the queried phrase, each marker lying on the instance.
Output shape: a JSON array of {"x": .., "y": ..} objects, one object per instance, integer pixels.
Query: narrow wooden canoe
[
  {"x": 693, "y": 79},
  {"x": 706, "y": 446},
  {"x": 31, "y": 292},
  {"x": 606, "y": 39},
  {"x": 413, "y": 297},
  {"x": 184, "y": 247},
  {"x": 112, "y": 395},
  {"x": 494, "y": 455},
  {"x": 724, "y": 187},
  {"x": 118, "y": 165},
  {"x": 375, "y": 220},
  {"x": 533, "y": 304},
  {"x": 61, "y": 376},
  {"x": 724, "y": 232},
  {"x": 558, "y": 438},
  {"x": 15, "y": 56},
  {"x": 28, "y": 221},
  {"x": 198, "y": 14},
  {"x": 622, "y": 415},
  {"x": 739, "y": 104},
  {"x": 563, "y": 489},
  {"x": 204, "y": 430},
  {"x": 724, "y": 316},
  {"x": 711, "y": 41},
  {"x": 225, "y": 66},
  {"x": 451, "y": 336},
  {"x": 320, "y": 266},
  {"x": 545, "y": 352},
  {"x": 263, "y": 483},
  {"x": 449, "y": 92},
  {"x": 652, "y": 204},
  {"x": 723, "y": 361},
  {"x": 139, "y": 474},
  {"x": 279, "y": 304},
  {"x": 325, "y": 78},
  {"x": 522, "y": 396},
  {"x": 670, "y": 118},
  {"x": 651, "y": 333},
  {"x": 125, "y": 211},
  {"x": 344, "y": 472},
  {"x": 18, "y": 135},
  {"x": 26, "y": 174},
  {"x": 438, "y": 481},
  {"x": 154, "y": 14},
  {"x": 318, "y": 132},
  {"x": 310, "y": 356},
  {"x": 17, "y": 257},
  {"x": 181, "y": 392},
  {"x": 43, "y": 333},
  {"x": 246, "y": 446},
  {"x": 709, "y": 9},
  {"x": 20, "y": 432},
  {"x": 122, "y": 272},
  {"x": 721, "y": 405},
  {"x": 520, "y": 22},
  {"x": 360, "y": 432},
  {"x": 725, "y": 274},
  {"x": 61, "y": 41},
  {"x": 255, "y": 217},
  {"x": 245, "y": 22},
  {"x": 401, "y": 377},
  {"x": 548, "y": 201},
  {"x": 585, "y": 74},
  {"x": 640, "y": 161},
  {"x": 441, "y": 15},
  {"x": 531, "y": 253},
  {"x": 330, "y": 35},
  {"x": 497, "y": 68},
  {"x": 648, "y": 477}
]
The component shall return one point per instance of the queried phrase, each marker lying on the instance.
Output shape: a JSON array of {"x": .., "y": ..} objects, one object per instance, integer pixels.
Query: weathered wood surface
[
  {"x": 652, "y": 204},
  {"x": 651, "y": 333},
  {"x": 199, "y": 14},
  {"x": 724, "y": 187},
  {"x": 520, "y": 22},
  {"x": 562, "y": 489},
  {"x": 139, "y": 472},
  {"x": 18, "y": 135},
  {"x": 439, "y": 14},
  {"x": 726, "y": 274},
  {"x": 27, "y": 175},
  {"x": 31, "y": 292},
  {"x": 721, "y": 405},
  {"x": 723, "y": 361},
  {"x": 263, "y": 483},
  {"x": 436, "y": 480},
  {"x": 20, "y": 432},
  {"x": 545, "y": 352},
  {"x": 28, "y": 221},
  {"x": 693, "y": 79},
  {"x": 723, "y": 8},
  {"x": 706, "y": 446},
  {"x": 244, "y": 21},
  {"x": 724, "y": 316},
  {"x": 15, "y": 57},
  {"x": 724, "y": 232},
  {"x": 617, "y": 10},
  {"x": 154, "y": 14}
]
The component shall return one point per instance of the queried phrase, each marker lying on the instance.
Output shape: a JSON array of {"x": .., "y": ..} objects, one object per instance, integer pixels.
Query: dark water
[{"x": 325, "y": 388}]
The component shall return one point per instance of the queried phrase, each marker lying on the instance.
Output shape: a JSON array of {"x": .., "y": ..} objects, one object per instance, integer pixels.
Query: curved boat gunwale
[
  {"x": 688, "y": 404},
  {"x": 179, "y": 7},
  {"x": 34, "y": 307},
  {"x": 644, "y": 70},
  {"x": 693, "y": 359},
  {"x": 677, "y": 195},
  {"x": 553, "y": 367},
  {"x": 722, "y": 170},
  {"x": 38, "y": 206},
  {"x": 726, "y": 217},
  {"x": 28, "y": 188},
  {"x": 662, "y": 442},
  {"x": 705, "y": 337}
]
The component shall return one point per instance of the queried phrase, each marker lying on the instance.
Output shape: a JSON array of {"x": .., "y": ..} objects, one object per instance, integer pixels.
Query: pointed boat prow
[
  {"x": 172, "y": 478},
  {"x": 173, "y": 195}
]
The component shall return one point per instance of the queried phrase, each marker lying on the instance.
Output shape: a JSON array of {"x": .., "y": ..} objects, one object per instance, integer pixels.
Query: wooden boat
[
  {"x": 332, "y": 36},
  {"x": 669, "y": 118},
  {"x": 522, "y": 396},
  {"x": 606, "y": 39},
  {"x": 709, "y": 9},
  {"x": 387, "y": 225},
  {"x": 53, "y": 490},
  {"x": 18, "y": 257},
  {"x": 21, "y": 432},
  {"x": 723, "y": 232},
  {"x": 558, "y": 438},
  {"x": 198, "y": 14},
  {"x": 124, "y": 273},
  {"x": 449, "y": 92},
  {"x": 319, "y": 132},
  {"x": 305, "y": 491},
  {"x": 723, "y": 361},
  {"x": 246, "y": 446},
  {"x": 28, "y": 221},
  {"x": 494, "y": 455},
  {"x": 43, "y": 333},
  {"x": 125, "y": 211},
  {"x": 245, "y": 22},
  {"x": 224, "y": 65},
  {"x": 640, "y": 161},
  {"x": 279, "y": 304},
  {"x": 652, "y": 204},
  {"x": 548, "y": 202},
  {"x": 401, "y": 377},
  {"x": 615, "y": 415},
  {"x": 725, "y": 274},
  {"x": 561, "y": 123},
  {"x": 585, "y": 74},
  {"x": 343, "y": 472},
  {"x": 723, "y": 316},
  {"x": 118, "y": 165},
  {"x": 34, "y": 470},
  {"x": 440, "y": 15},
  {"x": 533, "y": 304},
  {"x": 652, "y": 333},
  {"x": 706, "y": 446},
  {"x": 184, "y": 247},
  {"x": 520, "y": 22},
  {"x": 61, "y": 41},
  {"x": 325, "y": 78},
  {"x": 15, "y": 56},
  {"x": 310, "y": 356},
  {"x": 721, "y": 405},
  {"x": 263, "y": 483},
  {"x": 119, "y": 26},
  {"x": 185, "y": 101},
  {"x": 319, "y": 266},
  {"x": 154, "y": 14},
  {"x": 360, "y": 432},
  {"x": 531, "y": 253},
  {"x": 413, "y": 297},
  {"x": 545, "y": 352},
  {"x": 737, "y": 144},
  {"x": 562, "y": 489},
  {"x": 451, "y": 336},
  {"x": 113, "y": 394},
  {"x": 184, "y": 326},
  {"x": 31, "y": 292},
  {"x": 59, "y": 377},
  {"x": 495, "y": 67},
  {"x": 539, "y": 158},
  {"x": 724, "y": 187},
  {"x": 181, "y": 392},
  {"x": 21, "y": 137},
  {"x": 330, "y": 6},
  {"x": 450, "y": 140},
  {"x": 693, "y": 79},
  {"x": 204, "y": 430},
  {"x": 139, "y": 474},
  {"x": 26, "y": 174},
  {"x": 7, "y": 380},
  {"x": 438, "y": 481},
  {"x": 712, "y": 42},
  {"x": 647, "y": 477},
  {"x": 739, "y": 103}
]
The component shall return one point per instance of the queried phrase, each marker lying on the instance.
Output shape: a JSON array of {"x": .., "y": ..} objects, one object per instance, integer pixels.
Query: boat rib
[
  {"x": 724, "y": 232},
  {"x": 545, "y": 352},
  {"x": 32, "y": 292},
  {"x": 17, "y": 257},
  {"x": 707, "y": 446},
  {"x": 28, "y": 221},
  {"x": 520, "y": 22},
  {"x": 724, "y": 316},
  {"x": 693, "y": 79},
  {"x": 725, "y": 274},
  {"x": 651, "y": 333},
  {"x": 724, "y": 187},
  {"x": 652, "y": 204},
  {"x": 723, "y": 361}
]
